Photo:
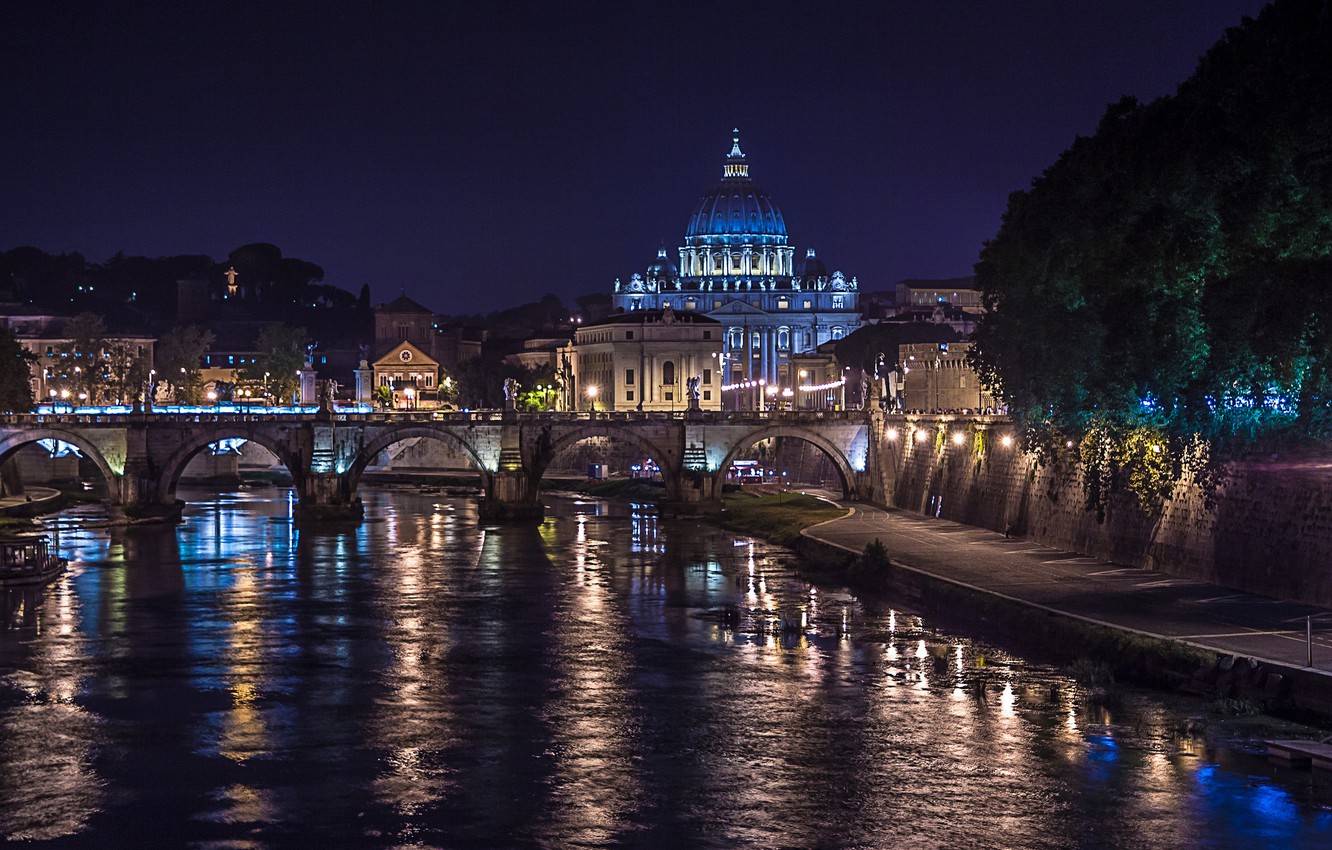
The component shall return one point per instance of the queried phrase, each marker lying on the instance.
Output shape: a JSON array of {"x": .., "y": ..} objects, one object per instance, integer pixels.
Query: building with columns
[
  {"x": 738, "y": 267},
  {"x": 644, "y": 360}
]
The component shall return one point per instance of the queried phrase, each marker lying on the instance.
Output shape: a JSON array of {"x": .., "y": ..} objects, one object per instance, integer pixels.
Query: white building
[
  {"x": 736, "y": 266},
  {"x": 643, "y": 360}
]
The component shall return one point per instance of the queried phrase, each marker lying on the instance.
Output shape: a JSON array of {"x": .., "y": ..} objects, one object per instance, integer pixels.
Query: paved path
[{"x": 1142, "y": 600}]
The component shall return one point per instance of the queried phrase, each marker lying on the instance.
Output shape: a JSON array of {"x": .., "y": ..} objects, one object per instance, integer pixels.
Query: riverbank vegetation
[
  {"x": 778, "y": 517},
  {"x": 1165, "y": 279}
]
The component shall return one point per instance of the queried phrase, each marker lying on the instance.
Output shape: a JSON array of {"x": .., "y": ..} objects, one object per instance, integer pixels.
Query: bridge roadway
[{"x": 142, "y": 455}]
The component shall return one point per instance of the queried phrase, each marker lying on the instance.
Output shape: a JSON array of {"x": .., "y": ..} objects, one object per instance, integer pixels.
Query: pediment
[
  {"x": 418, "y": 360},
  {"x": 738, "y": 308}
]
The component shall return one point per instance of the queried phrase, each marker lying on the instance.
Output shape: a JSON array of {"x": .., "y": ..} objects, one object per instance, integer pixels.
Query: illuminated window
[
  {"x": 808, "y": 304},
  {"x": 783, "y": 339},
  {"x": 838, "y": 302}
]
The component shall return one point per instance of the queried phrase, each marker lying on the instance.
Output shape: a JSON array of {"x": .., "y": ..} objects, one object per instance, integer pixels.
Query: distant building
[
  {"x": 43, "y": 334},
  {"x": 737, "y": 267},
  {"x": 404, "y": 319},
  {"x": 937, "y": 377},
  {"x": 959, "y": 292},
  {"x": 643, "y": 360},
  {"x": 820, "y": 380},
  {"x": 411, "y": 376}
]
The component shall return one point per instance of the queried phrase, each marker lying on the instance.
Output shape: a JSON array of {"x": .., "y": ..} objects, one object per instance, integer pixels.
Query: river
[{"x": 604, "y": 679}]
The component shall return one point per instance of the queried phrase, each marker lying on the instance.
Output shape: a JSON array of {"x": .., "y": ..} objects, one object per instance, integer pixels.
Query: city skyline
[{"x": 446, "y": 153}]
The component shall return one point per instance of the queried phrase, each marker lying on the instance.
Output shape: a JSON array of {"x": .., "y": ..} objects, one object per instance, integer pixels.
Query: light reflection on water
[{"x": 607, "y": 678}]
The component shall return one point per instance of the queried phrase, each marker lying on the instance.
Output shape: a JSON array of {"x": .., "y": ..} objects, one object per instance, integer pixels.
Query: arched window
[
  {"x": 783, "y": 338},
  {"x": 668, "y": 372},
  {"x": 836, "y": 333}
]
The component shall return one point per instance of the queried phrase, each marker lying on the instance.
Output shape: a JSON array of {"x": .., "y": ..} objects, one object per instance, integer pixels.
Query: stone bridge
[{"x": 142, "y": 455}]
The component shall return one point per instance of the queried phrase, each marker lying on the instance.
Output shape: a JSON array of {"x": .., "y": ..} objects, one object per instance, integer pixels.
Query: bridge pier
[
  {"x": 692, "y": 492},
  {"x": 511, "y": 495},
  {"x": 140, "y": 496},
  {"x": 327, "y": 497}
]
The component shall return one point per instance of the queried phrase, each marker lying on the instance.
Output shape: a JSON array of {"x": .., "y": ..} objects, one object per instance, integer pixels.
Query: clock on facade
[{"x": 406, "y": 355}]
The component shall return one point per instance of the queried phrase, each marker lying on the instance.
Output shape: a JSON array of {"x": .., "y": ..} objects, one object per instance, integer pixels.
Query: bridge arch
[
  {"x": 15, "y": 441},
  {"x": 547, "y": 454},
  {"x": 174, "y": 466},
  {"x": 371, "y": 450},
  {"x": 829, "y": 450}
]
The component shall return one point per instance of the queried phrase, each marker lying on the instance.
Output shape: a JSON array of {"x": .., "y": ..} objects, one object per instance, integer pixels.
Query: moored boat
[{"x": 28, "y": 560}]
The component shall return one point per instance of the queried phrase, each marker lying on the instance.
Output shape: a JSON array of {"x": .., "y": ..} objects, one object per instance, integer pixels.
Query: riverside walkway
[{"x": 1145, "y": 601}]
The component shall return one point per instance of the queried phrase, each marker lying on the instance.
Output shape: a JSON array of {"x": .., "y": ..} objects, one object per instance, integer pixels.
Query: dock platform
[{"x": 1315, "y": 753}]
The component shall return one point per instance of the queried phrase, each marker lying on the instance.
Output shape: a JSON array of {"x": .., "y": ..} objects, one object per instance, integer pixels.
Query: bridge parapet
[{"x": 142, "y": 455}]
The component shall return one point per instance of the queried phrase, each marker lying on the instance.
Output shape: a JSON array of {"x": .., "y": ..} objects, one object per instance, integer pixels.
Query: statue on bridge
[
  {"x": 692, "y": 384},
  {"x": 510, "y": 394}
]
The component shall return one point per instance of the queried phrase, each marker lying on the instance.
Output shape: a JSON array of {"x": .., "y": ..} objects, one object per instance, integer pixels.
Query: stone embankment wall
[{"x": 1268, "y": 530}]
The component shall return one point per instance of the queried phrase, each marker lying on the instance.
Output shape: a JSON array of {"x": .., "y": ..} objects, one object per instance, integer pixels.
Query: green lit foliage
[
  {"x": 1148, "y": 466},
  {"x": 1170, "y": 272}
]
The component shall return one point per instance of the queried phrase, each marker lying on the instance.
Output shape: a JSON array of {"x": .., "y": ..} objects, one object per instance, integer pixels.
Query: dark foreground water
[{"x": 603, "y": 680}]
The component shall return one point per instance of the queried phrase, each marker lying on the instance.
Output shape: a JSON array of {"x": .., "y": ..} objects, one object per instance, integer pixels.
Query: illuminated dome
[
  {"x": 662, "y": 267},
  {"x": 737, "y": 212}
]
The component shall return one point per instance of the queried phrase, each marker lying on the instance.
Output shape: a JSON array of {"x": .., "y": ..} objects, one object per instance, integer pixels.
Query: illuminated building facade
[
  {"x": 644, "y": 360},
  {"x": 738, "y": 267}
]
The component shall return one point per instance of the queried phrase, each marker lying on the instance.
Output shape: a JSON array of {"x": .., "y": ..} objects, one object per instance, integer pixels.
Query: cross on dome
[{"x": 735, "y": 167}]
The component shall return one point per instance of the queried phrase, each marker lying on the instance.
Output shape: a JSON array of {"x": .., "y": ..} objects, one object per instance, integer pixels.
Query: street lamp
[{"x": 592, "y": 396}]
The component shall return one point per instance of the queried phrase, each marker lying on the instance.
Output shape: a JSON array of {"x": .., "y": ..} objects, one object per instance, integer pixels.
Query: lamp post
[{"x": 592, "y": 397}]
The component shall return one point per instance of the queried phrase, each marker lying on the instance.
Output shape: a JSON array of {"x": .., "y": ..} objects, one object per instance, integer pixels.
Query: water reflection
[{"x": 607, "y": 678}]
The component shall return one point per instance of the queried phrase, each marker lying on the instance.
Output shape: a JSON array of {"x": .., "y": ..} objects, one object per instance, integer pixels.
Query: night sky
[{"x": 479, "y": 155}]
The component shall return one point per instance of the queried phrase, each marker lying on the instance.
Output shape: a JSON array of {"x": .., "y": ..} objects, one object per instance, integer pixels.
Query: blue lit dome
[
  {"x": 737, "y": 212},
  {"x": 662, "y": 267},
  {"x": 813, "y": 267}
]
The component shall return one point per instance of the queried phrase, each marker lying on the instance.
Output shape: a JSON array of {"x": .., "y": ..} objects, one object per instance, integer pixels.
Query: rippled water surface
[{"x": 603, "y": 680}]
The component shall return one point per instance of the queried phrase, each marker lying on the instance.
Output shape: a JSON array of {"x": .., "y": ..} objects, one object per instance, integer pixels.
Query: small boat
[{"x": 28, "y": 560}]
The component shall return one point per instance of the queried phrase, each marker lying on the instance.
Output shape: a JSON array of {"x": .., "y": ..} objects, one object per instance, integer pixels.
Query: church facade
[{"x": 737, "y": 266}]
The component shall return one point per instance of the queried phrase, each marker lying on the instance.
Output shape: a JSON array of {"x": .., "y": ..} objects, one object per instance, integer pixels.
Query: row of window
[
  {"x": 422, "y": 379},
  {"x": 52, "y": 353},
  {"x": 667, "y": 375}
]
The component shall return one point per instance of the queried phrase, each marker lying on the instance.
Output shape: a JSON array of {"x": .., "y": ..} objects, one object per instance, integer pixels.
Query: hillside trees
[{"x": 1174, "y": 270}]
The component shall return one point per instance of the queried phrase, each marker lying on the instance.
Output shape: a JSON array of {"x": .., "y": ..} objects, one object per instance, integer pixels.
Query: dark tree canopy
[
  {"x": 1175, "y": 269},
  {"x": 15, "y": 374}
]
